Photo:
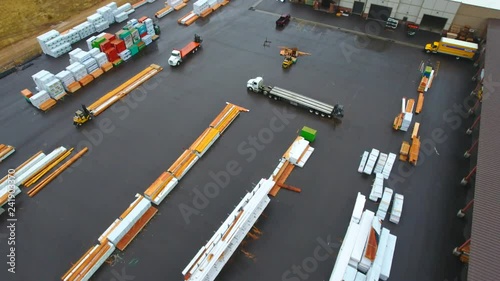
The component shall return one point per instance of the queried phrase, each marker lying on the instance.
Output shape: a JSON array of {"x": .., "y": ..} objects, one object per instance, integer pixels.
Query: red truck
[{"x": 178, "y": 55}]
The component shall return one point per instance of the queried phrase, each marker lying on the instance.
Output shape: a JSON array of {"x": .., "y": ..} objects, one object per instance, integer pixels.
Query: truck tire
[
  {"x": 250, "y": 89},
  {"x": 428, "y": 51},
  {"x": 178, "y": 63},
  {"x": 275, "y": 98},
  {"x": 322, "y": 115},
  {"x": 315, "y": 112},
  {"x": 270, "y": 96},
  {"x": 311, "y": 111},
  {"x": 329, "y": 116}
]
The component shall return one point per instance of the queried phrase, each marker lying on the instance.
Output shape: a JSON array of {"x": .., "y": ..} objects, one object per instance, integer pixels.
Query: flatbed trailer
[{"x": 314, "y": 106}]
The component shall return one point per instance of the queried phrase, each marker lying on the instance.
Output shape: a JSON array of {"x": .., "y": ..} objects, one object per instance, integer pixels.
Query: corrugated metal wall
[{"x": 475, "y": 17}]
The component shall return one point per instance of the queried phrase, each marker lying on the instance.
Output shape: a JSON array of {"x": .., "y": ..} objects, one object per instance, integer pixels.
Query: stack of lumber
[
  {"x": 40, "y": 166},
  {"x": 212, "y": 257},
  {"x": 164, "y": 184},
  {"x": 377, "y": 162},
  {"x": 118, "y": 236},
  {"x": 377, "y": 188},
  {"x": 6, "y": 151},
  {"x": 397, "y": 208},
  {"x": 367, "y": 249},
  {"x": 124, "y": 89},
  {"x": 383, "y": 207}
]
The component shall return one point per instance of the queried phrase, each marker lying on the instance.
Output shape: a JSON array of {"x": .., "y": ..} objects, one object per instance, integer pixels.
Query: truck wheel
[
  {"x": 270, "y": 96},
  {"x": 329, "y": 116},
  {"x": 322, "y": 115},
  {"x": 178, "y": 63},
  {"x": 428, "y": 51},
  {"x": 250, "y": 89},
  {"x": 315, "y": 112},
  {"x": 275, "y": 98},
  {"x": 458, "y": 58},
  {"x": 265, "y": 93},
  {"x": 311, "y": 111}
]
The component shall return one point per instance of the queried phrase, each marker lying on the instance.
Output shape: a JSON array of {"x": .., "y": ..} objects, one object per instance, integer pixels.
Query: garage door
[
  {"x": 358, "y": 7},
  {"x": 432, "y": 23},
  {"x": 381, "y": 13}
]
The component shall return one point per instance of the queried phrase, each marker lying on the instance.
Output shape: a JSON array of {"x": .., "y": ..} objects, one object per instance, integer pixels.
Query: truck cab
[
  {"x": 257, "y": 85},
  {"x": 175, "y": 58},
  {"x": 432, "y": 47}
]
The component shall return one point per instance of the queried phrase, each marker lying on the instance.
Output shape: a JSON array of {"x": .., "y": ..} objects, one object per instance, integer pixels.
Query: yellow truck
[{"x": 458, "y": 48}]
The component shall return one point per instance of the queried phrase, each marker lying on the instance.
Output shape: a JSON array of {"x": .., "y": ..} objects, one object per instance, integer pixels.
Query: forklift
[{"x": 82, "y": 116}]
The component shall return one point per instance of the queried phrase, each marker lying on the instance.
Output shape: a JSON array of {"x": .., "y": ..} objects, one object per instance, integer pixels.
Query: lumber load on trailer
[
  {"x": 205, "y": 141},
  {"x": 226, "y": 117},
  {"x": 161, "y": 187}
]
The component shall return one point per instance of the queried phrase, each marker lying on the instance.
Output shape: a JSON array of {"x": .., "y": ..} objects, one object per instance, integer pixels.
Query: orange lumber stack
[
  {"x": 289, "y": 187},
  {"x": 409, "y": 105},
  {"x": 192, "y": 20},
  {"x": 180, "y": 6},
  {"x": 96, "y": 73},
  {"x": 414, "y": 150},
  {"x": 403, "y": 152},
  {"x": 73, "y": 87},
  {"x": 180, "y": 165},
  {"x": 371, "y": 246},
  {"x": 157, "y": 186},
  {"x": 206, "y": 12},
  {"x": 47, "y": 104},
  {"x": 281, "y": 177},
  {"x": 181, "y": 18},
  {"x": 5, "y": 151},
  {"x": 136, "y": 228},
  {"x": 26, "y": 93},
  {"x": 420, "y": 103},
  {"x": 86, "y": 80}
]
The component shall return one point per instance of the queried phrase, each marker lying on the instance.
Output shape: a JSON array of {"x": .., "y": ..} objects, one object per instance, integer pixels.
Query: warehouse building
[{"x": 432, "y": 15}]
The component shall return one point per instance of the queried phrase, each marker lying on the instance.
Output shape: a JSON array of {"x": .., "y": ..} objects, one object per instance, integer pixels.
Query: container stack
[
  {"x": 66, "y": 78},
  {"x": 200, "y": 6},
  {"x": 99, "y": 22},
  {"x": 71, "y": 36},
  {"x": 78, "y": 70},
  {"x": 107, "y": 14},
  {"x": 42, "y": 100},
  {"x": 54, "y": 44},
  {"x": 149, "y": 27},
  {"x": 46, "y": 37},
  {"x": 85, "y": 29}
]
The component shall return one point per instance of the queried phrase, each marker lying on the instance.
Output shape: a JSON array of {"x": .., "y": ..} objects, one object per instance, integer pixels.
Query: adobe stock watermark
[
  {"x": 248, "y": 149},
  {"x": 454, "y": 118},
  {"x": 325, "y": 250},
  {"x": 95, "y": 136}
]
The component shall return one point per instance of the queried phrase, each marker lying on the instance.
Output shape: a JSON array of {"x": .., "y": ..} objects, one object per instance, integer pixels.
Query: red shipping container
[
  {"x": 105, "y": 45},
  {"x": 110, "y": 37},
  {"x": 119, "y": 45},
  {"x": 144, "y": 34},
  {"x": 141, "y": 20},
  {"x": 111, "y": 54}
]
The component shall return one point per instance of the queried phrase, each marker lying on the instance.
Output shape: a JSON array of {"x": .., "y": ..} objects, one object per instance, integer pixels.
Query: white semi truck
[{"x": 316, "y": 107}]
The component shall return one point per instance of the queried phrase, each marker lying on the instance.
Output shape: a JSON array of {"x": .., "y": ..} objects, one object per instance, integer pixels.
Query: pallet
[
  {"x": 216, "y": 6},
  {"x": 225, "y": 3},
  {"x": 192, "y": 20},
  {"x": 107, "y": 66},
  {"x": 96, "y": 73},
  {"x": 47, "y": 105},
  {"x": 86, "y": 80},
  {"x": 73, "y": 87},
  {"x": 206, "y": 12},
  {"x": 136, "y": 228}
]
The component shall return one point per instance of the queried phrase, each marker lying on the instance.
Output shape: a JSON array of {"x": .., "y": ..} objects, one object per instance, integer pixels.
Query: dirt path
[{"x": 26, "y": 48}]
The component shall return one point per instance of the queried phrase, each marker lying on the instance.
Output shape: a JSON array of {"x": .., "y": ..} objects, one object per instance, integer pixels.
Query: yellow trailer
[{"x": 458, "y": 48}]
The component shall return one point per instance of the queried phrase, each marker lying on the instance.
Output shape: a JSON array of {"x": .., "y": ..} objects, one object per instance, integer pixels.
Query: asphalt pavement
[{"x": 134, "y": 141}]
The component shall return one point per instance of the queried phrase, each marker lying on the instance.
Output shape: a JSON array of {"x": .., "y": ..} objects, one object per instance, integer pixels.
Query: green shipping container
[
  {"x": 98, "y": 42},
  {"x": 133, "y": 50},
  {"x": 122, "y": 34},
  {"x": 308, "y": 134}
]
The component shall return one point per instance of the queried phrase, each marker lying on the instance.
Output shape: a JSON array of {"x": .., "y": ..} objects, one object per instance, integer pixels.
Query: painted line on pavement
[{"x": 344, "y": 30}]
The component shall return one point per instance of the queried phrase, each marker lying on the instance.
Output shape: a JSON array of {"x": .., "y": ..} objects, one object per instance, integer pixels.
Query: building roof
[
  {"x": 485, "y": 237},
  {"x": 489, "y": 4}
]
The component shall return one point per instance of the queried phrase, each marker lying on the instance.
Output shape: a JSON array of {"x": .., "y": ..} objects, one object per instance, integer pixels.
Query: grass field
[{"x": 24, "y": 20}]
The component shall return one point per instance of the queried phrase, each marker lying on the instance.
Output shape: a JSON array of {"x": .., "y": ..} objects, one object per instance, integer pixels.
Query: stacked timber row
[
  {"x": 201, "y": 8},
  {"x": 367, "y": 250},
  {"x": 30, "y": 172},
  {"x": 296, "y": 155},
  {"x": 118, "y": 236},
  {"x": 212, "y": 257},
  {"x": 170, "y": 6},
  {"x": 6, "y": 151},
  {"x": 124, "y": 89},
  {"x": 164, "y": 184}
]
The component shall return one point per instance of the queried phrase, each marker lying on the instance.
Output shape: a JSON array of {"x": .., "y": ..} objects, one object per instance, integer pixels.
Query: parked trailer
[
  {"x": 316, "y": 107},
  {"x": 178, "y": 56}
]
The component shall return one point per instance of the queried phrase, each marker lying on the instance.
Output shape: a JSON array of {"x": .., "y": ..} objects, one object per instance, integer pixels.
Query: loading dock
[
  {"x": 433, "y": 23},
  {"x": 379, "y": 13}
]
